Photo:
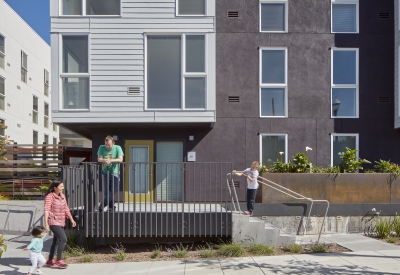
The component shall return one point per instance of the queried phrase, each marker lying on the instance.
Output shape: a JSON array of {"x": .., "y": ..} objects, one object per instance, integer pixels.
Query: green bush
[
  {"x": 396, "y": 225},
  {"x": 119, "y": 251},
  {"x": 301, "y": 163},
  {"x": 154, "y": 254},
  {"x": 391, "y": 239},
  {"x": 3, "y": 246},
  {"x": 350, "y": 162},
  {"x": 230, "y": 250},
  {"x": 180, "y": 251},
  {"x": 206, "y": 253},
  {"x": 73, "y": 251},
  {"x": 383, "y": 166},
  {"x": 89, "y": 243},
  {"x": 260, "y": 249},
  {"x": 293, "y": 248},
  {"x": 87, "y": 258},
  {"x": 319, "y": 248},
  {"x": 383, "y": 228}
]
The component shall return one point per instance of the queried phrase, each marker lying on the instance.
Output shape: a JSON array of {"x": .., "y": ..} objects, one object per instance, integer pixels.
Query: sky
[{"x": 36, "y": 13}]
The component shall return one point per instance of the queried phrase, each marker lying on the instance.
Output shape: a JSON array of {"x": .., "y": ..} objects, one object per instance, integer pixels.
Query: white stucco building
[{"x": 25, "y": 95}]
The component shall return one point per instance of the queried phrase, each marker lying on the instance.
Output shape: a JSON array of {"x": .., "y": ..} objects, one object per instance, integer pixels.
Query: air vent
[
  {"x": 30, "y": 79},
  {"x": 18, "y": 87},
  {"x": 236, "y": 184},
  {"x": 233, "y": 99},
  {"x": 8, "y": 64},
  {"x": 133, "y": 90},
  {"x": 18, "y": 125},
  {"x": 384, "y": 15},
  {"x": 383, "y": 99},
  {"x": 8, "y": 104},
  {"x": 233, "y": 14}
]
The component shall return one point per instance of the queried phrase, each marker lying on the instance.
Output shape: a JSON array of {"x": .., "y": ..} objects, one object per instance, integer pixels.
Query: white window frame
[
  {"x": 333, "y": 135},
  {"x": 44, "y": 140},
  {"x": 54, "y": 127},
  {"x": 46, "y": 117},
  {"x": 285, "y": 153},
  {"x": 353, "y": 86},
  {"x": 4, "y": 123},
  {"x": 84, "y": 11},
  {"x": 191, "y": 15},
  {"x": 274, "y": 85},
  {"x": 46, "y": 82},
  {"x": 348, "y": 2},
  {"x": 35, "y": 111},
  {"x": 37, "y": 132},
  {"x": 3, "y": 54},
  {"x": 184, "y": 74},
  {"x": 55, "y": 138},
  {"x": 286, "y": 14},
  {"x": 3, "y": 95},
  {"x": 72, "y": 75},
  {"x": 22, "y": 66}
]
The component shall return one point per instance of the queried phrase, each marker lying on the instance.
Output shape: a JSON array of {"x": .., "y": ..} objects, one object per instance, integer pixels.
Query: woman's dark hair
[
  {"x": 54, "y": 184},
  {"x": 37, "y": 230}
]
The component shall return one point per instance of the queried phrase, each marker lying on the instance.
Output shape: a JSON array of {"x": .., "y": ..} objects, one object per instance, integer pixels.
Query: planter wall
[{"x": 342, "y": 189}]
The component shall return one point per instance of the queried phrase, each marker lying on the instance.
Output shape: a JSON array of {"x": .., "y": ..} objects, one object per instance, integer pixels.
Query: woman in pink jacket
[{"x": 56, "y": 211}]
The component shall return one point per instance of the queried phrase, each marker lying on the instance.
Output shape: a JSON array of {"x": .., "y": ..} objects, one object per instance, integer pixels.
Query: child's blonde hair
[{"x": 256, "y": 163}]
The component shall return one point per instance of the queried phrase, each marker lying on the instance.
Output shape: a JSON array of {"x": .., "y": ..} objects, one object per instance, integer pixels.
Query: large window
[
  {"x": 46, "y": 83},
  {"x": 35, "y": 110},
  {"x": 54, "y": 140},
  {"x": 2, "y": 93},
  {"x": 35, "y": 137},
  {"x": 169, "y": 86},
  {"x": 46, "y": 139},
  {"x": 46, "y": 115},
  {"x": 75, "y": 72},
  {"x": 345, "y": 83},
  {"x": 90, "y": 7},
  {"x": 2, "y": 50},
  {"x": 339, "y": 144},
  {"x": 345, "y": 16},
  {"x": 2, "y": 130},
  {"x": 273, "y": 82},
  {"x": 191, "y": 7},
  {"x": 54, "y": 127},
  {"x": 24, "y": 67},
  {"x": 273, "y": 148},
  {"x": 273, "y": 16}
]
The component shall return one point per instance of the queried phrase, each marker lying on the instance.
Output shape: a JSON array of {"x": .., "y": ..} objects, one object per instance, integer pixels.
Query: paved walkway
[{"x": 369, "y": 257}]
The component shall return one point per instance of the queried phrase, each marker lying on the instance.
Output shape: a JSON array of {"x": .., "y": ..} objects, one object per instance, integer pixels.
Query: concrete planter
[{"x": 345, "y": 188}]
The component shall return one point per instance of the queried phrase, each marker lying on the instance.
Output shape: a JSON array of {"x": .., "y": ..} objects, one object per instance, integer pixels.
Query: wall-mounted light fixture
[{"x": 191, "y": 138}]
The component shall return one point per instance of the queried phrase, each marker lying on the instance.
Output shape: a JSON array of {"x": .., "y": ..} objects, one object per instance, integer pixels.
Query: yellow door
[{"x": 139, "y": 170}]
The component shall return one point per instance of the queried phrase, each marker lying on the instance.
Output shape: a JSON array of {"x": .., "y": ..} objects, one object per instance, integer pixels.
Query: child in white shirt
[{"x": 36, "y": 246}]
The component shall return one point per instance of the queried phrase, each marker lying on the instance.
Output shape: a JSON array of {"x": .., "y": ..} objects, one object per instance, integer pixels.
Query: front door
[{"x": 139, "y": 171}]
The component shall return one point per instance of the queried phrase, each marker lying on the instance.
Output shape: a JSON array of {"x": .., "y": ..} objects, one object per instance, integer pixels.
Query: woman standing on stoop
[{"x": 56, "y": 211}]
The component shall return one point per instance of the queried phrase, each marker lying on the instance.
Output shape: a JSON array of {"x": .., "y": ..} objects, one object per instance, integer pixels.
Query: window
[
  {"x": 2, "y": 50},
  {"x": 273, "y": 16},
  {"x": 75, "y": 72},
  {"x": 191, "y": 7},
  {"x": 24, "y": 67},
  {"x": 273, "y": 82},
  {"x": 35, "y": 110},
  {"x": 345, "y": 16},
  {"x": 344, "y": 83},
  {"x": 339, "y": 144},
  {"x": 2, "y": 130},
  {"x": 273, "y": 148},
  {"x": 2, "y": 93},
  {"x": 46, "y": 139},
  {"x": 165, "y": 75},
  {"x": 46, "y": 83},
  {"x": 54, "y": 127},
  {"x": 35, "y": 139},
  {"x": 92, "y": 7},
  {"x": 46, "y": 115},
  {"x": 54, "y": 140}
]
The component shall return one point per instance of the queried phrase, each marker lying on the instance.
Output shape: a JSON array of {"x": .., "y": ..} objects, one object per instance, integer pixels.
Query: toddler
[{"x": 36, "y": 246}]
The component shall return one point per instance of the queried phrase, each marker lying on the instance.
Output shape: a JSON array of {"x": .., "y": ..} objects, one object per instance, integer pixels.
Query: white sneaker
[{"x": 38, "y": 271}]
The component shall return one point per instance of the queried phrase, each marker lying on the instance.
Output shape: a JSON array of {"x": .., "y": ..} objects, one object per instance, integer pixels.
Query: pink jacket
[{"x": 56, "y": 206}]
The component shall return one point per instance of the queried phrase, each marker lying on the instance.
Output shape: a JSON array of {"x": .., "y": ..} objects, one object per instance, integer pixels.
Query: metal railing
[
  {"x": 296, "y": 196},
  {"x": 151, "y": 199}
]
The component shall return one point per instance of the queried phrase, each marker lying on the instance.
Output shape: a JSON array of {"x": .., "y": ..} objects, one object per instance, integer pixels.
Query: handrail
[
  {"x": 232, "y": 184},
  {"x": 8, "y": 214},
  {"x": 297, "y": 196}
]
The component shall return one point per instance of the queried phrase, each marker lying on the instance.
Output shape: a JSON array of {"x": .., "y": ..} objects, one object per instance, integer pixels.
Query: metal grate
[
  {"x": 133, "y": 90},
  {"x": 233, "y": 99},
  {"x": 236, "y": 184},
  {"x": 384, "y": 15},
  {"x": 383, "y": 99},
  {"x": 233, "y": 14}
]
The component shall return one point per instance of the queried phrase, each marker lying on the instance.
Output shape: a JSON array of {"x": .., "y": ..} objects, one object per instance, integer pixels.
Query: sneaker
[
  {"x": 61, "y": 264},
  {"x": 51, "y": 263},
  {"x": 246, "y": 213},
  {"x": 251, "y": 214},
  {"x": 38, "y": 271}
]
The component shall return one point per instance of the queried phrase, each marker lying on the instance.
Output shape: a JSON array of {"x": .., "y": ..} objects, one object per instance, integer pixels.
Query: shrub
[
  {"x": 89, "y": 243},
  {"x": 383, "y": 166},
  {"x": 87, "y": 258},
  {"x": 260, "y": 249},
  {"x": 391, "y": 239},
  {"x": 383, "y": 228},
  {"x": 230, "y": 250},
  {"x": 206, "y": 253},
  {"x": 72, "y": 237},
  {"x": 154, "y": 254},
  {"x": 319, "y": 248},
  {"x": 73, "y": 251},
  {"x": 350, "y": 162},
  {"x": 119, "y": 251},
  {"x": 180, "y": 251},
  {"x": 3, "y": 246},
  {"x": 396, "y": 225},
  {"x": 301, "y": 163},
  {"x": 293, "y": 248}
]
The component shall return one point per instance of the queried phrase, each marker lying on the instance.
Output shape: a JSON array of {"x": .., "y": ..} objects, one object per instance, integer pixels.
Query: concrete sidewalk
[{"x": 369, "y": 257}]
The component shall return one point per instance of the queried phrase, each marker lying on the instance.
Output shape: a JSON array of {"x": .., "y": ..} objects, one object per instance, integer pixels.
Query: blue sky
[{"x": 36, "y": 13}]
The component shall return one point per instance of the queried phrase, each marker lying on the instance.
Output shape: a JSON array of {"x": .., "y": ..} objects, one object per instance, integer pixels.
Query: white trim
[
  {"x": 344, "y": 135},
  {"x": 191, "y": 15},
  {"x": 285, "y": 157},
  {"x": 83, "y": 6},
  {"x": 352, "y": 86},
  {"x": 3, "y": 53},
  {"x": 274, "y": 85},
  {"x": 286, "y": 14},
  {"x": 350, "y": 2},
  {"x": 398, "y": 80}
]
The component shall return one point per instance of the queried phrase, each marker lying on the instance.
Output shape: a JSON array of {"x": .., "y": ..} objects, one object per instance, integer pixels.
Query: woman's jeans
[
  {"x": 110, "y": 187},
  {"x": 59, "y": 240}
]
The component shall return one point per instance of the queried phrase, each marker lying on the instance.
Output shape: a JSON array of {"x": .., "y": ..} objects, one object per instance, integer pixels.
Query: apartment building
[{"x": 25, "y": 94}]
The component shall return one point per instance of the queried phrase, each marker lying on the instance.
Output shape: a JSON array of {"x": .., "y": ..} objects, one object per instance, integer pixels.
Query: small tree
[{"x": 350, "y": 162}]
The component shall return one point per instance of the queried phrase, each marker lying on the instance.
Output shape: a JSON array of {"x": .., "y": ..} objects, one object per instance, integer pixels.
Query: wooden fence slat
[
  {"x": 30, "y": 169},
  {"x": 28, "y": 161}
]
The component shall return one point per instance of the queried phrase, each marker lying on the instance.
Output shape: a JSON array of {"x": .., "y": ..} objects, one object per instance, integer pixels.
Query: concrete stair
[{"x": 254, "y": 230}]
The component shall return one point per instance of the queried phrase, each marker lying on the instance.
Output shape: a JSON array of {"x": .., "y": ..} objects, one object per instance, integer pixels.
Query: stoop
[{"x": 254, "y": 230}]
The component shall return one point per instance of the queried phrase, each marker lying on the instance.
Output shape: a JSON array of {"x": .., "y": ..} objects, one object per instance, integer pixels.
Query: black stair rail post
[
  {"x": 60, "y": 156},
  {"x": 44, "y": 157},
  {"x": 15, "y": 157}
]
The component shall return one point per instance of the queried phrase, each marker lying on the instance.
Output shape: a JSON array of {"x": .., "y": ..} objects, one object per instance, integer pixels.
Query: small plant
[
  {"x": 230, "y": 250},
  {"x": 260, "y": 249},
  {"x": 391, "y": 239},
  {"x": 383, "y": 166},
  {"x": 3, "y": 246},
  {"x": 87, "y": 258},
  {"x": 42, "y": 188},
  {"x": 119, "y": 251},
  {"x": 318, "y": 248},
  {"x": 281, "y": 167},
  {"x": 293, "y": 248},
  {"x": 206, "y": 253},
  {"x": 72, "y": 237},
  {"x": 301, "y": 163},
  {"x": 154, "y": 254},
  {"x": 180, "y": 251},
  {"x": 396, "y": 226},
  {"x": 74, "y": 250},
  {"x": 350, "y": 162},
  {"x": 89, "y": 243},
  {"x": 383, "y": 228}
]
